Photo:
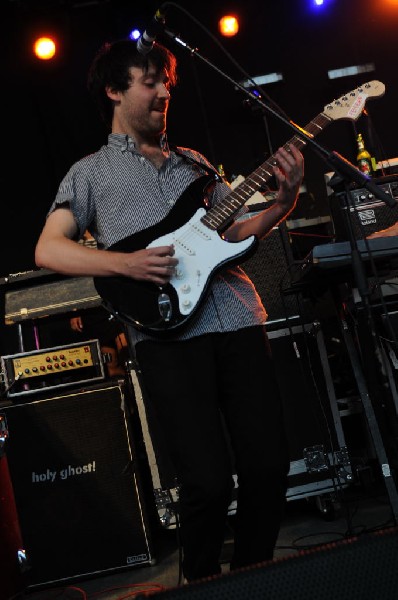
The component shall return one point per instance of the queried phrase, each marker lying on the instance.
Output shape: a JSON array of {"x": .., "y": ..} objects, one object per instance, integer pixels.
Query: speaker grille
[
  {"x": 76, "y": 488},
  {"x": 269, "y": 269}
]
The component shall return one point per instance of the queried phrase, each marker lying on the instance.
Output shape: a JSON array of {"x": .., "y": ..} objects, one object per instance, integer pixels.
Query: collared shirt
[{"x": 116, "y": 192}]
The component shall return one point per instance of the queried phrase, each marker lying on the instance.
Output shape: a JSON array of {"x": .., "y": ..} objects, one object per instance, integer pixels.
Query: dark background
[{"x": 49, "y": 121}]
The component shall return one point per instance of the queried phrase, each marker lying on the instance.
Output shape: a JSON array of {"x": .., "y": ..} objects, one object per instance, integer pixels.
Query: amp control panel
[
  {"x": 363, "y": 197},
  {"x": 49, "y": 368}
]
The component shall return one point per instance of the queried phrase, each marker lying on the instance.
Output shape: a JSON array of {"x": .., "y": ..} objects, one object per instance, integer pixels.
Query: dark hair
[{"x": 111, "y": 65}]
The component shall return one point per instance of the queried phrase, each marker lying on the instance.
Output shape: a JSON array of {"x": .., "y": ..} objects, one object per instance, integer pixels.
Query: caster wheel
[{"x": 326, "y": 508}]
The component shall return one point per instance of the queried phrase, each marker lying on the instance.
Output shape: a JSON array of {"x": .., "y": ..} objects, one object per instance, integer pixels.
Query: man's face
[{"x": 143, "y": 106}]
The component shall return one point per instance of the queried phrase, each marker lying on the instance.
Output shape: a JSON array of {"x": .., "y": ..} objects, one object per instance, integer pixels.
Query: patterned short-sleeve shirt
[{"x": 116, "y": 192}]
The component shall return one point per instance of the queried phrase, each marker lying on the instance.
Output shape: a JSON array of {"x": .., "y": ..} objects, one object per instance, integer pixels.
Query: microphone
[{"x": 146, "y": 40}]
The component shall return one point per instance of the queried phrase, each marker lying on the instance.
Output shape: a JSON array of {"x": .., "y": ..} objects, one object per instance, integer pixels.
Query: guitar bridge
[{"x": 164, "y": 305}]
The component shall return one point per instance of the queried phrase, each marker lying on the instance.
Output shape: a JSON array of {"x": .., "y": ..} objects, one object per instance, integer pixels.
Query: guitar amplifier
[
  {"x": 39, "y": 371},
  {"x": 367, "y": 214}
]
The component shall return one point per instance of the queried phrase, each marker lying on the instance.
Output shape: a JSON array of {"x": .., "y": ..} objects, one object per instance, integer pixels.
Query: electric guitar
[{"x": 196, "y": 233}]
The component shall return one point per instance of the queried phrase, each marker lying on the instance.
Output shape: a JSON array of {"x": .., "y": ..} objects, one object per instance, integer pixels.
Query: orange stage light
[
  {"x": 44, "y": 48},
  {"x": 228, "y": 26}
]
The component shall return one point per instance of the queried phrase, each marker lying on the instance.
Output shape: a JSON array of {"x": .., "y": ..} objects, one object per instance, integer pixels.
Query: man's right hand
[{"x": 152, "y": 264}]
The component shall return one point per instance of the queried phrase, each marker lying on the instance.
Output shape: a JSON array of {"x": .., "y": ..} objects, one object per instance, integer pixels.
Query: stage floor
[{"x": 308, "y": 524}]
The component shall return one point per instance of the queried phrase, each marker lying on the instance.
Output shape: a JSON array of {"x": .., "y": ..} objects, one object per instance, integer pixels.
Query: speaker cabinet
[
  {"x": 269, "y": 269},
  {"x": 365, "y": 567},
  {"x": 76, "y": 484}
]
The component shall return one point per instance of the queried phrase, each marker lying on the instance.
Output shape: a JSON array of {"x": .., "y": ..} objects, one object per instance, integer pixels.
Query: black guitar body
[{"x": 155, "y": 309}]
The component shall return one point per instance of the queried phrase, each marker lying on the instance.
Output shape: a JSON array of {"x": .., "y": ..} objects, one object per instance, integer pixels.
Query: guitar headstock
[{"x": 351, "y": 105}]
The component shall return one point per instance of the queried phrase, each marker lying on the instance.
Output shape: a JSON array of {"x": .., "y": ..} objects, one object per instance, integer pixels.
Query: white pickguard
[{"x": 199, "y": 251}]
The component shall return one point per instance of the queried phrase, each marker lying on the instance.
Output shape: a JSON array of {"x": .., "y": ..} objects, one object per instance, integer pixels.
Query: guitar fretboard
[{"x": 217, "y": 217}]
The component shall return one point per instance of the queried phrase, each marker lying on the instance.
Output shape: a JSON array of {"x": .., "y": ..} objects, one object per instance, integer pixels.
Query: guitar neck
[{"x": 219, "y": 216}]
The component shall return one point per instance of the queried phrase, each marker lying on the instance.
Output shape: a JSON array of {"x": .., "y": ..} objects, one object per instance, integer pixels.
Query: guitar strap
[{"x": 193, "y": 161}]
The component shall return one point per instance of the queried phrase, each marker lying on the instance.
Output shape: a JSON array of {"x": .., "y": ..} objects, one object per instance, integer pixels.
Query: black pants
[{"x": 189, "y": 383}]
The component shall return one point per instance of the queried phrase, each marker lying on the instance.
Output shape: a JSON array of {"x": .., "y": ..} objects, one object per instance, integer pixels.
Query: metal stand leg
[{"x": 372, "y": 421}]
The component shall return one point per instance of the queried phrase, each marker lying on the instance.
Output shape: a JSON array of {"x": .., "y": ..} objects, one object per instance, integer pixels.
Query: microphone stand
[
  {"x": 335, "y": 161},
  {"x": 348, "y": 173}
]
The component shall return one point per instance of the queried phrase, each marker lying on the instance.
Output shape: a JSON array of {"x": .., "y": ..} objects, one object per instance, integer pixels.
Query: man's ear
[{"x": 112, "y": 93}]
